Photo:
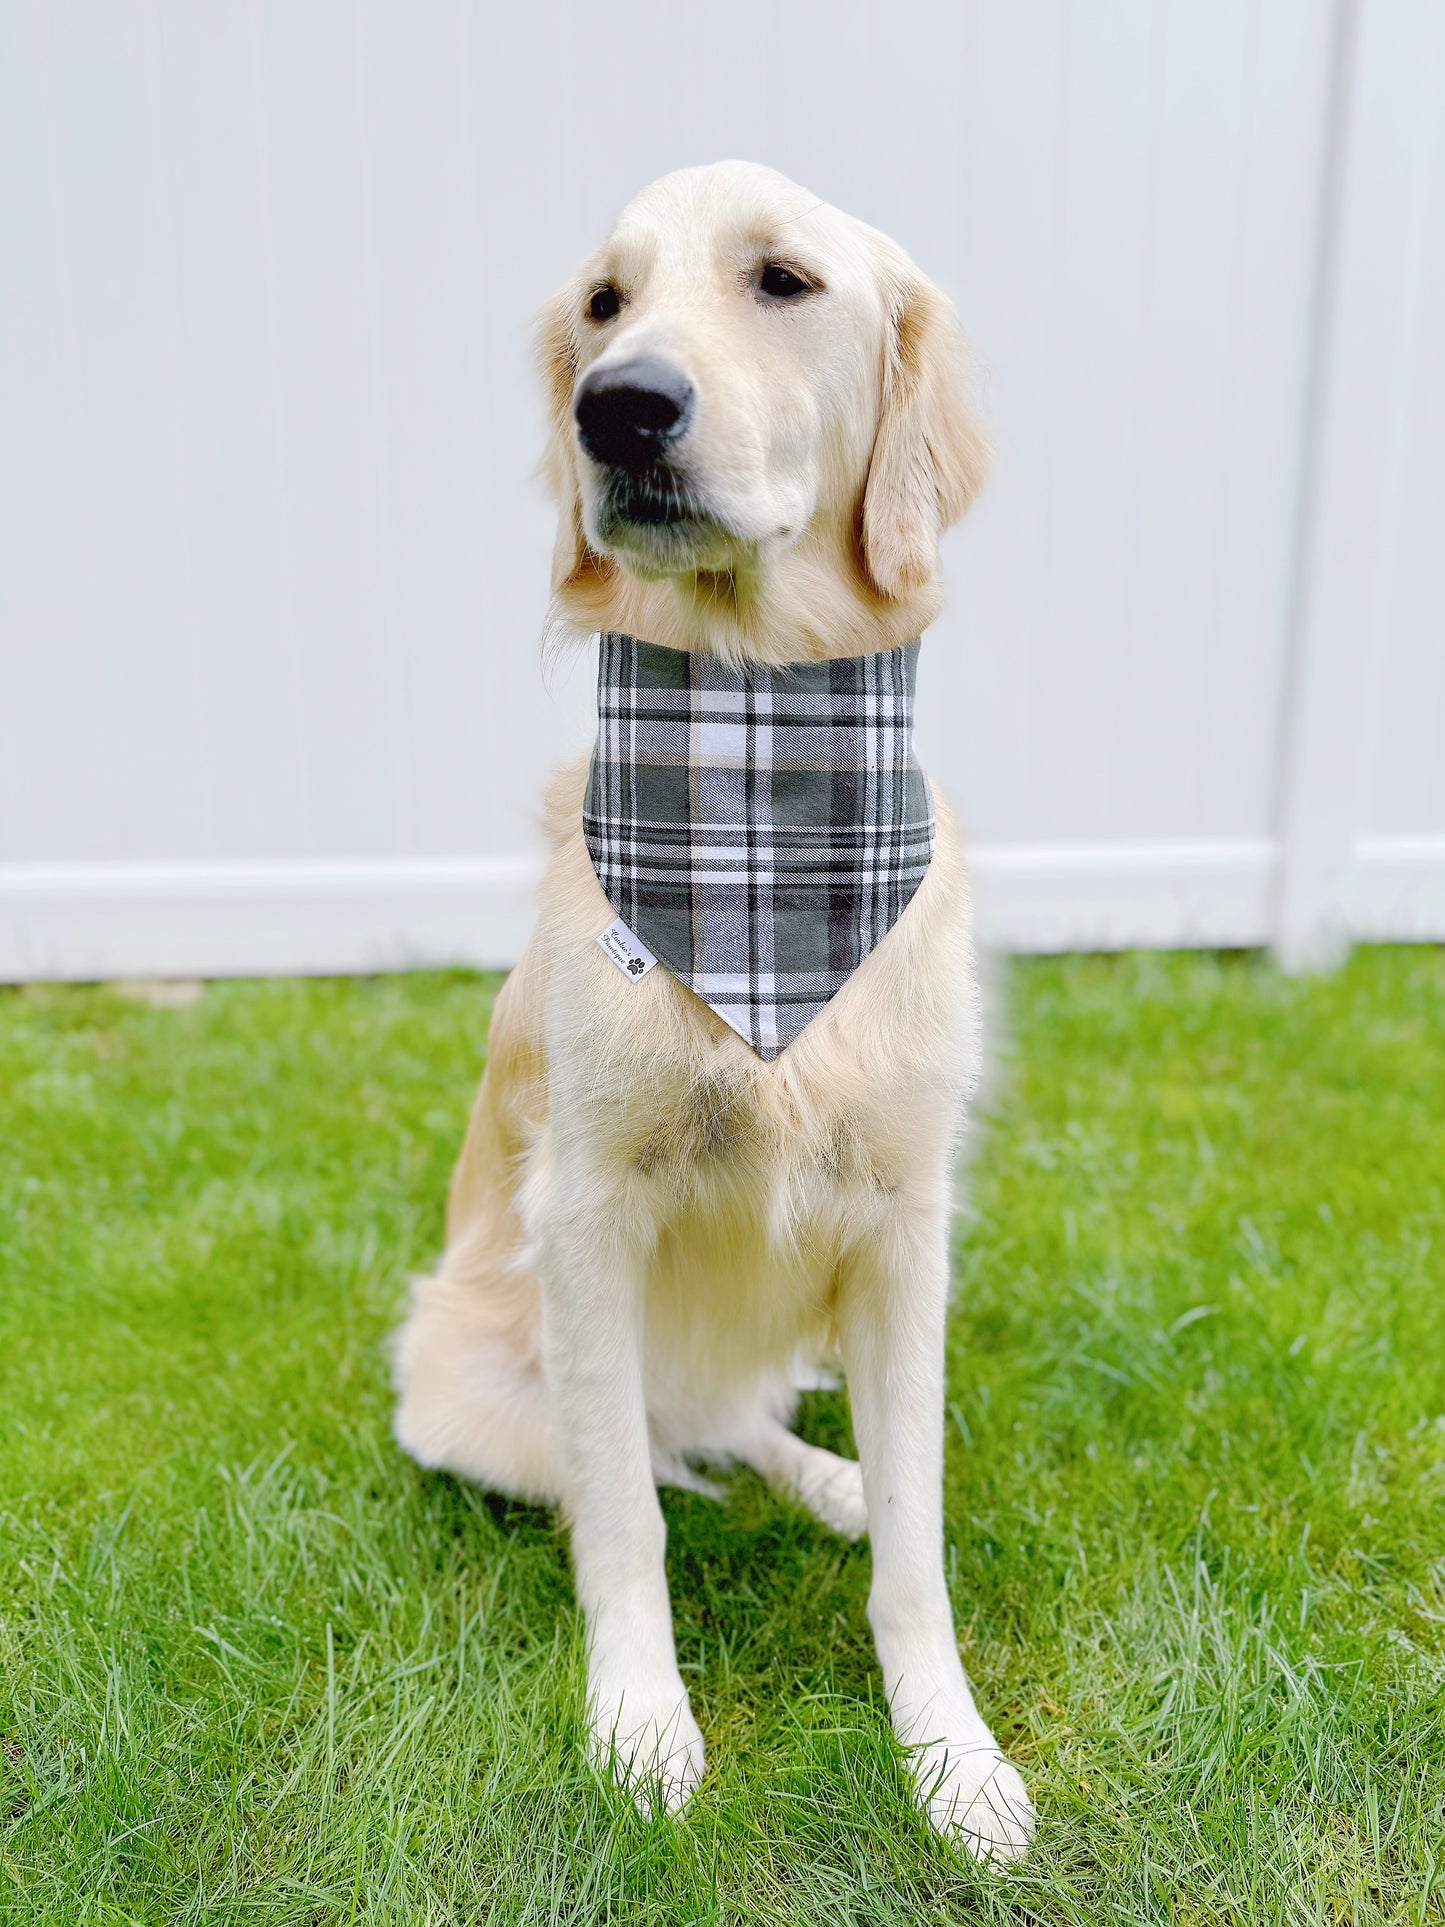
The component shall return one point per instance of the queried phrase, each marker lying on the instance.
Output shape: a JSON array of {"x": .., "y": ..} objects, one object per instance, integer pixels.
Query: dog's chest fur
[
  {"x": 795, "y": 1151},
  {"x": 775, "y": 1168},
  {"x": 720, "y": 1133}
]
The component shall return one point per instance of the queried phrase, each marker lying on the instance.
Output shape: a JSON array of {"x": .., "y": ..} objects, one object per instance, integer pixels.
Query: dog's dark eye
[
  {"x": 781, "y": 282},
  {"x": 604, "y": 304}
]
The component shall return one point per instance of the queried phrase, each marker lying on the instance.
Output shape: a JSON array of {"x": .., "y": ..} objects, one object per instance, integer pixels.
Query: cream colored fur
[{"x": 653, "y": 1235}]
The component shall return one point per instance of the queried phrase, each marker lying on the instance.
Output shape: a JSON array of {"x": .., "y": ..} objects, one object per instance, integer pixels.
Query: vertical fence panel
[{"x": 1364, "y": 806}]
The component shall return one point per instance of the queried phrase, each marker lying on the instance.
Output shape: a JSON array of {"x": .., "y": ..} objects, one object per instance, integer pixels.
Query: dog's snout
[{"x": 627, "y": 414}]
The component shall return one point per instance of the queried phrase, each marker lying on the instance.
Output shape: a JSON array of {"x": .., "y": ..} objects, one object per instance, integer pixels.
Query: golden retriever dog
[{"x": 655, "y": 1236}]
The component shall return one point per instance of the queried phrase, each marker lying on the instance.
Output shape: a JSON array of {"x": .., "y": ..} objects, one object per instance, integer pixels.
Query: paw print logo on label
[{"x": 636, "y": 966}]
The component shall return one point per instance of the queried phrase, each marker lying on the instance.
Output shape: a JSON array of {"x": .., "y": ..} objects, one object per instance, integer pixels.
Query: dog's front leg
[
  {"x": 591, "y": 1269},
  {"x": 891, "y": 1316}
]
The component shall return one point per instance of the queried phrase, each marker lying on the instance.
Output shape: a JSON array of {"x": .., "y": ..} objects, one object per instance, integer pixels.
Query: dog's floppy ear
[
  {"x": 557, "y": 356},
  {"x": 930, "y": 456}
]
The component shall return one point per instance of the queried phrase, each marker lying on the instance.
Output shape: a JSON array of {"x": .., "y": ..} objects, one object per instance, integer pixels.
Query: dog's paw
[
  {"x": 647, "y": 1741},
  {"x": 832, "y": 1490},
  {"x": 974, "y": 1795}
]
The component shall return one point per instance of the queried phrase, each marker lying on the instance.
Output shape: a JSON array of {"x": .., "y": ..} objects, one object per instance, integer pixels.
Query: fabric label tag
[{"x": 629, "y": 953}]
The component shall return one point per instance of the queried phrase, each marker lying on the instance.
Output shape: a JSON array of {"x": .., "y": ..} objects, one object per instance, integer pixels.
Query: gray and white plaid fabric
[{"x": 760, "y": 830}]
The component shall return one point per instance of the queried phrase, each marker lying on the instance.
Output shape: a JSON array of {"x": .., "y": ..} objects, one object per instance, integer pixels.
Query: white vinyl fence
[{"x": 272, "y": 569}]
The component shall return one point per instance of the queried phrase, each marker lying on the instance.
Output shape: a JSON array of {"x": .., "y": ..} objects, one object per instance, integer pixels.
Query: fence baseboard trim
[
  {"x": 1395, "y": 889},
  {"x": 84, "y": 922},
  {"x": 1116, "y": 896}
]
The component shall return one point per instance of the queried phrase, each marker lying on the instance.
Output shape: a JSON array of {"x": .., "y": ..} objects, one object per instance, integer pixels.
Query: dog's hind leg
[
  {"x": 472, "y": 1395},
  {"x": 829, "y": 1486},
  {"x": 472, "y": 1398}
]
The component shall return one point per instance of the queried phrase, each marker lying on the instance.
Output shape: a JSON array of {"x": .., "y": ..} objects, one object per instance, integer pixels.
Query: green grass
[{"x": 256, "y": 1667}]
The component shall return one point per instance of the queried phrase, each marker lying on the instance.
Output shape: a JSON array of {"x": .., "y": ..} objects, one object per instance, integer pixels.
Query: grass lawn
[{"x": 255, "y": 1667}]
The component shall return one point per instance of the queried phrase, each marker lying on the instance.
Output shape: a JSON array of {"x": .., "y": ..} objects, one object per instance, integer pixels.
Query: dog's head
[{"x": 741, "y": 364}]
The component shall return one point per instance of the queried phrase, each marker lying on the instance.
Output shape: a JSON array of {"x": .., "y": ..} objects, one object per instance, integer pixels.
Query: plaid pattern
[{"x": 759, "y": 829}]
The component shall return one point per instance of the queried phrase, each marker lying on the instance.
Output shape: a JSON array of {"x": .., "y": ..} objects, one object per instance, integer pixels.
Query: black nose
[{"x": 627, "y": 414}]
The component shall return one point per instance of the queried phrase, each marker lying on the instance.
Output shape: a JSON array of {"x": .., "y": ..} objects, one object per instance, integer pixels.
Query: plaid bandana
[{"x": 759, "y": 829}]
